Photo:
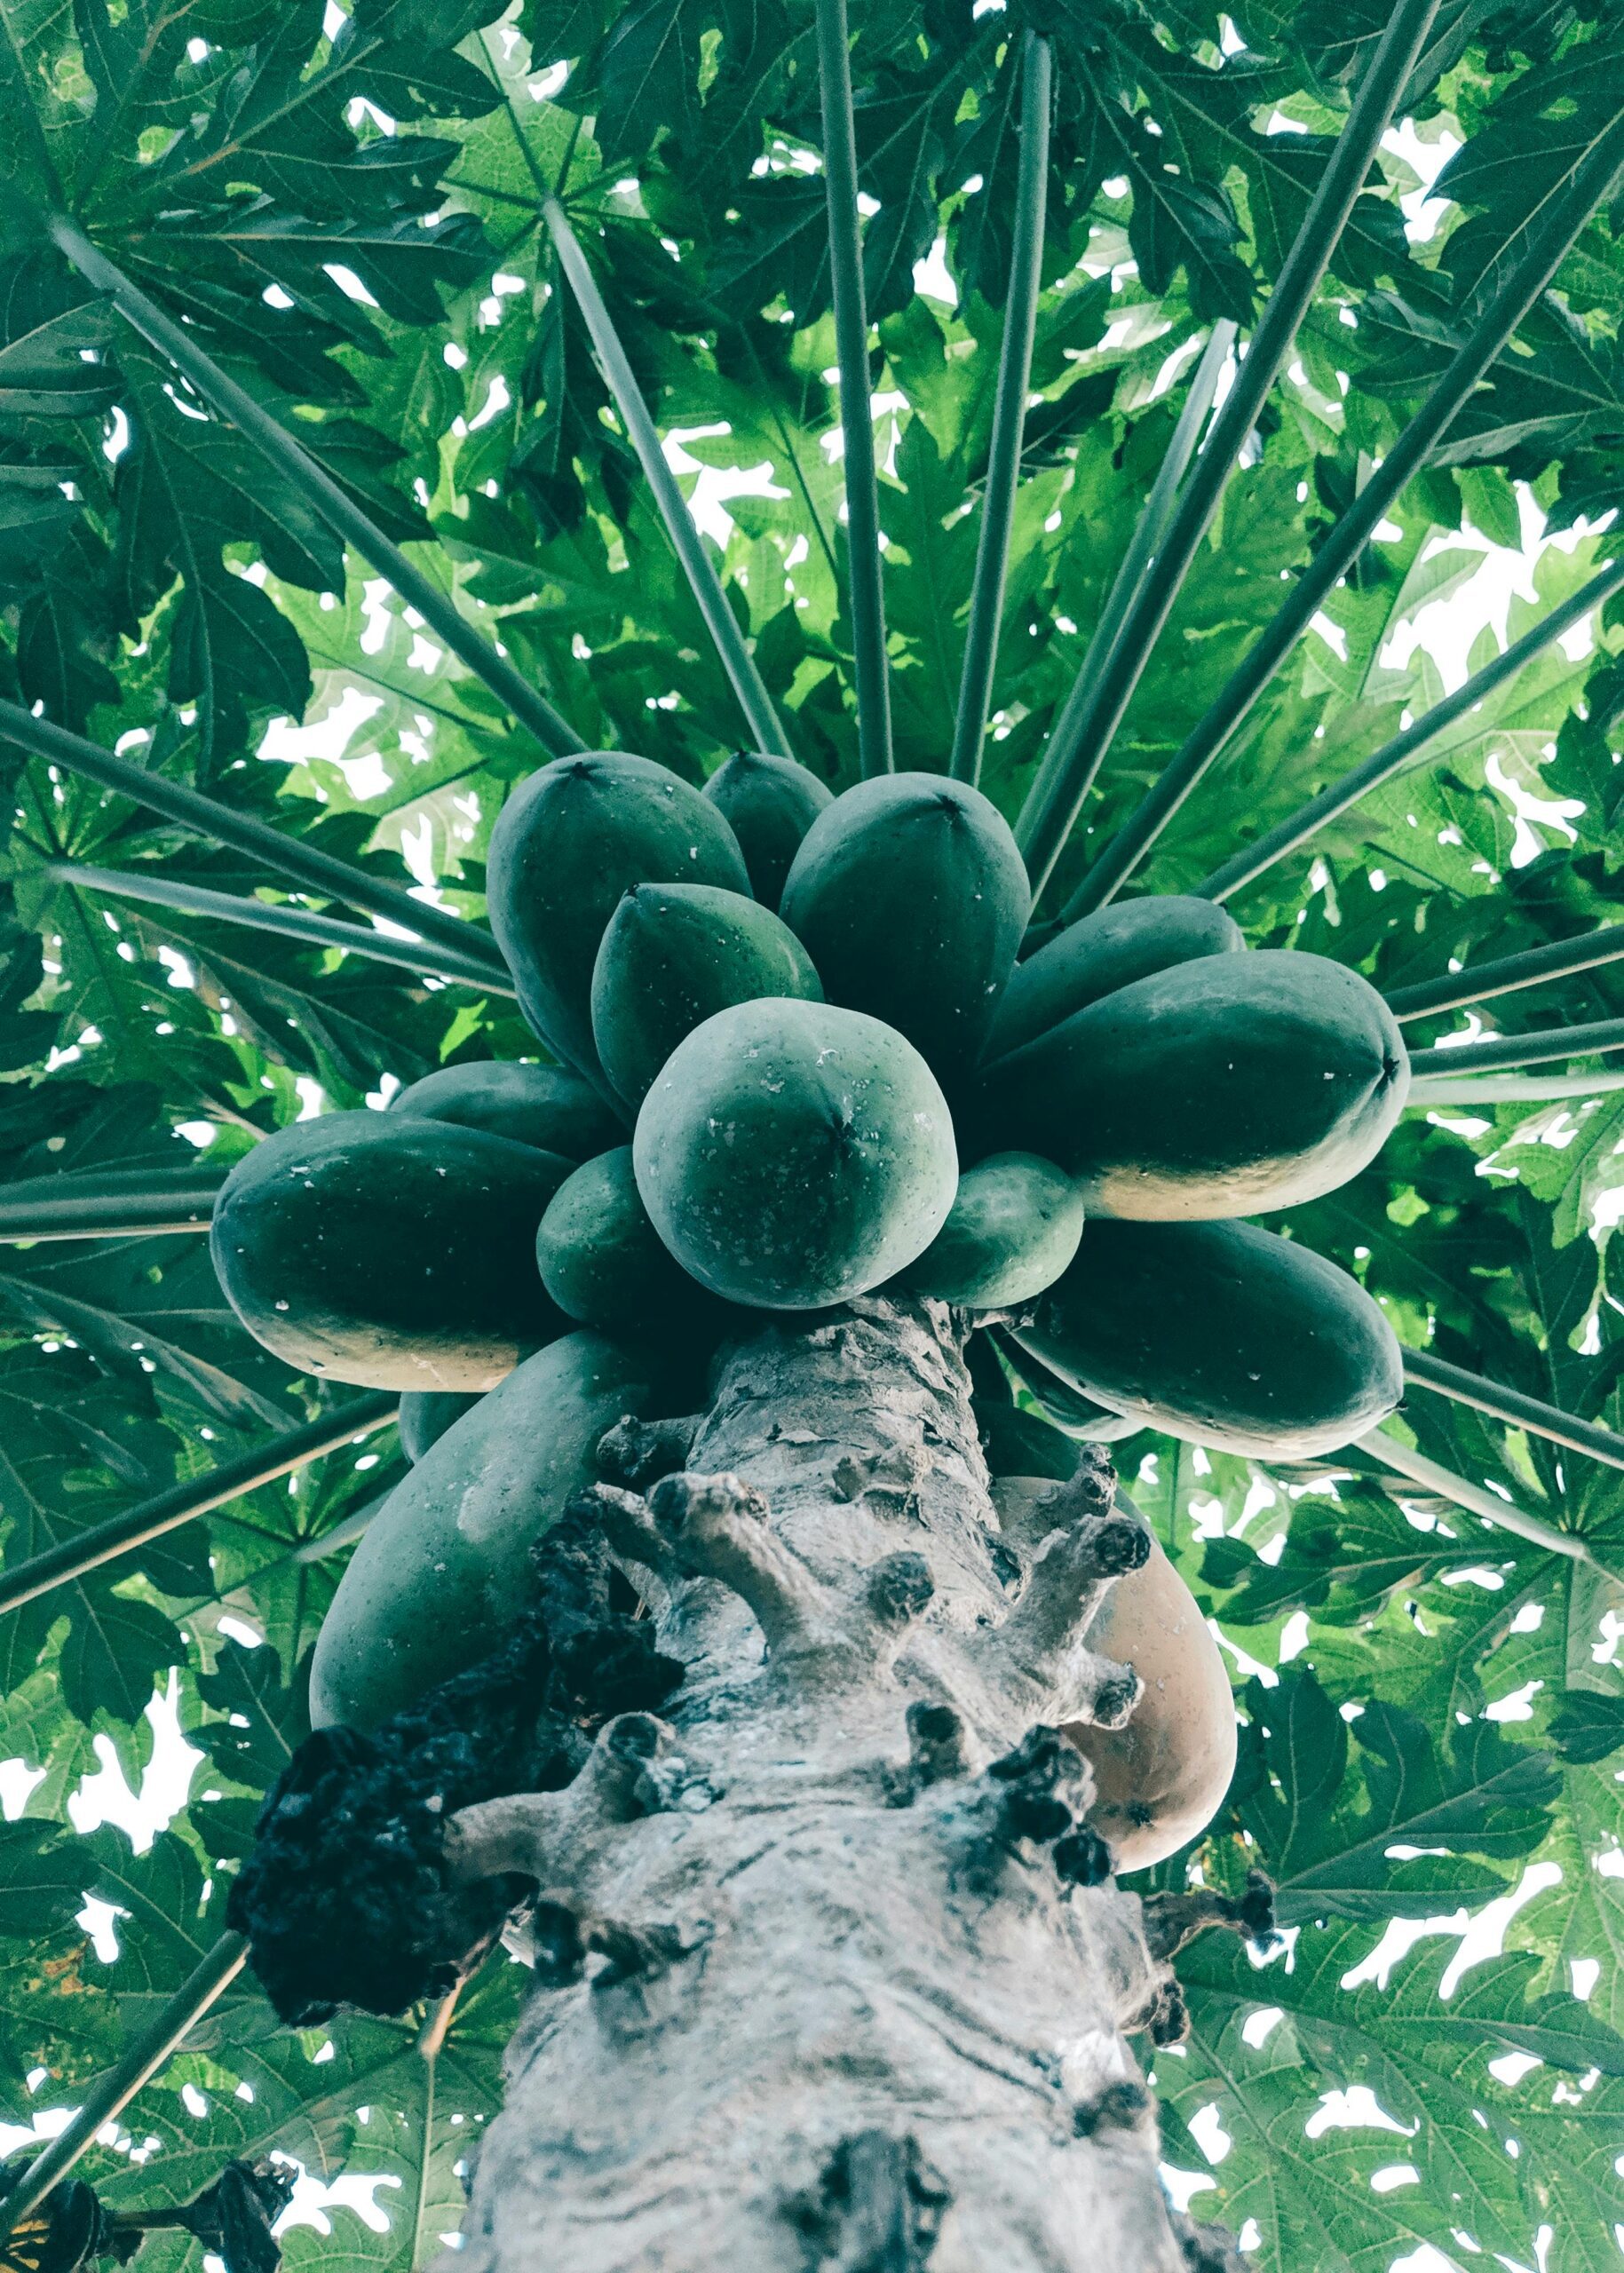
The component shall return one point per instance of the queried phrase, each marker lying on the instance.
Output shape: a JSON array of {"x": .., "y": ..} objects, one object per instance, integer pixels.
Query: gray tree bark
[{"x": 821, "y": 1981}]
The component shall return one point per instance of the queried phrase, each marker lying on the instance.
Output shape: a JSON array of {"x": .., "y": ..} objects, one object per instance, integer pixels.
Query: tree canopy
[{"x": 345, "y": 212}]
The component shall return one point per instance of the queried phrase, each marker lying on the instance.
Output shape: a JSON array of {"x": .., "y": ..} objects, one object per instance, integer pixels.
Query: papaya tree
[{"x": 809, "y": 1135}]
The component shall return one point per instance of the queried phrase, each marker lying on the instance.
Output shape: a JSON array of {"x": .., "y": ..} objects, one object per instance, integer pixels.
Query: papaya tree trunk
[{"x": 828, "y": 1969}]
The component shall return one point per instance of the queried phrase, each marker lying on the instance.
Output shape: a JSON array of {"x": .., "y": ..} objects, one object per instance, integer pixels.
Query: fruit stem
[
  {"x": 1008, "y": 413},
  {"x": 732, "y": 651},
  {"x": 1069, "y": 771},
  {"x": 1481, "y": 982},
  {"x": 1511, "y": 1406},
  {"x": 1245, "y": 867},
  {"x": 155, "y": 887},
  {"x": 1476, "y": 1498},
  {"x": 287, "y": 856},
  {"x": 111, "y": 2093},
  {"x": 149, "y": 1519},
  {"x": 866, "y": 594},
  {"x": 127, "y": 1206},
  {"x": 335, "y": 505},
  {"x": 1502, "y": 1053},
  {"x": 1548, "y": 242}
]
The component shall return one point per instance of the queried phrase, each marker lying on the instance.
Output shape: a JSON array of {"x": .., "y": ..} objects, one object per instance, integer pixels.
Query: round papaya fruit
[
  {"x": 674, "y": 955},
  {"x": 568, "y": 842},
  {"x": 911, "y": 898},
  {"x": 792, "y": 1154},
  {"x": 1223, "y": 1087},
  {"x": 443, "y": 1571},
  {"x": 546, "y": 1105},
  {"x": 1224, "y": 1334},
  {"x": 1013, "y": 1229},
  {"x": 769, "y": 804},
  {"x": 427, "y": 1414},
  {"x": 1099, "y": 953},
  {"x": 603, "y": 1262},
  {"x": 390, "y": 1251}
]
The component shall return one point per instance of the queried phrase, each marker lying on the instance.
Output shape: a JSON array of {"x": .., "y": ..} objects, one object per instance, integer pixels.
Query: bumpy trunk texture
[{"x": 812, "y": 1988}]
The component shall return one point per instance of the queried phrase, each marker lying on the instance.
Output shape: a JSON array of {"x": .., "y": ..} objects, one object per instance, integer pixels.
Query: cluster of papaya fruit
[{"x": 800, "y": 1059}]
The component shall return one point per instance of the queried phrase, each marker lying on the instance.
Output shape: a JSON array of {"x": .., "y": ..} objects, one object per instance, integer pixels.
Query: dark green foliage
[
  {"x": 792, "y": 1154},
  {"x": 1221, "y": 1087},
  {"x": 1017, "y": 1443},
  {"x": 125, "y": 524},
  {"x": 396, "y": 1253},
  {"x": 545, "y": 1105},
  {"x": 1094, "y": 956},
  {"x": 427, "y": 1414},
  {"x": 769, "y": 804},
  {"x": 569, "y": 843},
  {"x": 673, "y": 957},
  {"x": 1014, "y": 1227},
  {"x": 443, "y": 1571},
  {"x": 911, "y": 899},
  {"x": 1221, "y": 1332},
  {"x": 604, "y": 1264}
]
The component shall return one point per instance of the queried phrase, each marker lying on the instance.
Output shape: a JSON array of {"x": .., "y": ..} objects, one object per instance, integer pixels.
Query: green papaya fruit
[
  {"x": 443, "y": 1571},
  {"x": 1224, "y": 1334},
  {"x": 1225, "y": 1087},
  {"x": 566, "y": 844},
  {"x": 769, "y": 804},
  {"x": 1094, "y": 956},
  {"x": 603, "y": 1262},
  {"x": 792, "y": 1154},
  {"x": 546, "y": 1105},
  {"x": 911, "y": 898},
  {"x": 386, "y": 1249},
  {"x": 1014, "y": 1227},
  {"x": 427, "y": 1414},
  {"x": 673, "y": 957},
  {"x": 1017, "y": 1443}
]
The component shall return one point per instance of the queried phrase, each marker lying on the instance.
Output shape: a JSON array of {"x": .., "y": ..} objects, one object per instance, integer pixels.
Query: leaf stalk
[
  {"x": 1069, "y": 769},
  {"x": 137, "y": 1526},
  {"x": 158, "y": 890},
  {"x": 870, "y": 662},
  {"x": 1008, "y": 414},
  {"x": 1548, "y": 242},
  {"x": 335, "y": 505},
  {"x": 1245, "y": 867},
  {"x": 1511, "y": 1406},
  {"x": 760, "y": 717},
  {"x": 150, "y": 2051},
  {"x": 285, "y": 856}
]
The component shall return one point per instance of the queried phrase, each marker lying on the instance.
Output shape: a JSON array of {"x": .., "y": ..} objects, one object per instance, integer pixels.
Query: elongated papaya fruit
[
  {"x": 382, "y": 1248},
  {"x": 1224, "y": 1334},
  {"x": 911, "y": 898},
  {"x": 566, "y": 844},
  {"x": 673, "y": 957},
  {"x": 427, "y": 1414},
  {"x": 532, "y": 1105},
  {"x": 1014, "y": 1226},
  {"x": 1225, "y": 1087},
  {"x": 792, "y": 1154},
  {"x": 442, "y": 1572},
  {"x": 604, "y": 1264},
  {"x": 769, "y": 804},
  {"x": 1111, "y": 948}
]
